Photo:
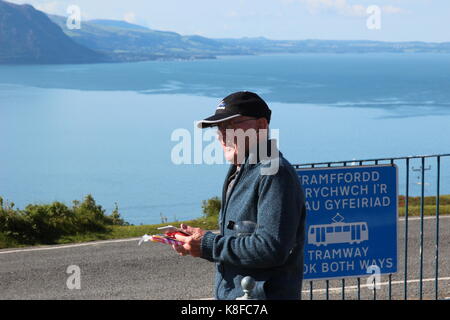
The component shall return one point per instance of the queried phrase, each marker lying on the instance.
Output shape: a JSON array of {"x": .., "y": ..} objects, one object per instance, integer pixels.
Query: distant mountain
[
  {"x": 123, "y": 41},
  {"x": 118, "y": 24},
  {"x": 266, "y": 46},
  {"x": 28, "y": 36}
]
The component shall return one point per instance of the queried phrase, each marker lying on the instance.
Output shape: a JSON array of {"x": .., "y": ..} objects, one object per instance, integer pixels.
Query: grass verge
[{"x": 117, "y": 232}]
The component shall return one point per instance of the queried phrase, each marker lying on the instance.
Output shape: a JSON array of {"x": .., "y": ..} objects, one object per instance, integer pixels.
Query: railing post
[
  {"x": 422, "y": 208},
  {"x": 406, "y": 230},
  {"x": 436, "y": 294},
  {"x": 248, "y": 284}
]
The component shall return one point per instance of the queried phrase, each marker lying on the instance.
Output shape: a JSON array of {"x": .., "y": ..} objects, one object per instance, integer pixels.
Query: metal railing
[{"x": 404, "y": 164}]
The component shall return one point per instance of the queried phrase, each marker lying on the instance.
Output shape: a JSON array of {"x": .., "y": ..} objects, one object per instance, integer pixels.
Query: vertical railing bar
[
  {"x": 374, "y": 289},
  {"x": 436, "y": 294},
  {"x": 343, "y": 280},
  {"x": 359, "y": 288},
  {"x": 422, "y": 205},
  {"x": 390, "y": 287},
  {"x": 390, "y": 275},
  {"x": 406, "y": 230},
  {"x": 327, "y": 284},
  {"x": 311, "y": 283},
  {"x": 374, "y": 282},
  {"x": 359, "y": 279}
]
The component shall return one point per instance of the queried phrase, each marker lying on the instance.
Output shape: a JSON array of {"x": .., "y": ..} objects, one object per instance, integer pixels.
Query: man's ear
[{"x": 262, "y": 123}]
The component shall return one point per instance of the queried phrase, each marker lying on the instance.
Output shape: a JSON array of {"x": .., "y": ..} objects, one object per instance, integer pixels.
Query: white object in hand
[{"x": 145, "y": 238}]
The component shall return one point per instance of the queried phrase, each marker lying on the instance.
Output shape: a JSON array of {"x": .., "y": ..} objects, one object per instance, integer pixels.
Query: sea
[{"x": 111, "y": 130}]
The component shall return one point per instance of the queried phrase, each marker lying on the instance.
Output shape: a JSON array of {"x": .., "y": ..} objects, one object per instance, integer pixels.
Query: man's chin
[
  {"x": 231, "y": 160},
  {"x": 230, "y": 157}
]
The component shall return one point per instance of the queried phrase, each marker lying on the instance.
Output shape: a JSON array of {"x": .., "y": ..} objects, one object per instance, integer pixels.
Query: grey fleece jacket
[{"x": 273, "y": 253}]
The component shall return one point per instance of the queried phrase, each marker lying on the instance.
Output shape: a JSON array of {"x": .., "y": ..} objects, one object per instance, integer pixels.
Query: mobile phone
[{"x": 171, "y": 231}]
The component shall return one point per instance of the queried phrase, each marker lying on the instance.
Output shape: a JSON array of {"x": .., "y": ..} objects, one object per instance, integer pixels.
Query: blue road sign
[{"x": 351, "y": 221}]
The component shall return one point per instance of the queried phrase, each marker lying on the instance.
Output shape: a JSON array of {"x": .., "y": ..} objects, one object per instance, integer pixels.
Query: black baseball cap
[{"x": 242, "y": 103}]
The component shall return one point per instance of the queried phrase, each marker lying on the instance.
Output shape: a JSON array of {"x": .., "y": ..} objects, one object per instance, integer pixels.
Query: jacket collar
[{"x": 265, "y": 151}]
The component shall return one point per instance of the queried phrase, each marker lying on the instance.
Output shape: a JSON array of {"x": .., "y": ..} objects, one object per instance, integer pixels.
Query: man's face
[{"x": 234, "y": 148}]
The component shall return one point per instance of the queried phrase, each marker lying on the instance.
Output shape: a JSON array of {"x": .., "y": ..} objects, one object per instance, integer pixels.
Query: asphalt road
[
  {"x": 108, "y": 270},
  {"x": 121, "y": 269}
]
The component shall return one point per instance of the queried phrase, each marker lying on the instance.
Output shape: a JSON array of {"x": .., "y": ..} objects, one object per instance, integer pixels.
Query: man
[{"x": 260, "y": 190}]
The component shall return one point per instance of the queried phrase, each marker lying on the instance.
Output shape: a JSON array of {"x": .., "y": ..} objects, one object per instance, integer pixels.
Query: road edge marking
[{"x": 69, "y": 245}]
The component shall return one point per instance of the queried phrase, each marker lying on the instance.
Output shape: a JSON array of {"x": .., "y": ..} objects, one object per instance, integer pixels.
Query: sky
[{"x": 398, "y": 20}]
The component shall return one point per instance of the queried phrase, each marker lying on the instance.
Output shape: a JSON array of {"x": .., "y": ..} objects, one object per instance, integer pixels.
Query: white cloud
[
  {"x": 232, "y": 14},
  {"x": 339, "y": 6},
  {"x": 51, "y": 7},
  {"x": 343, "y": 7},
  {"x": 392, "y": 10},
  {"x": 130, "y": 17}
]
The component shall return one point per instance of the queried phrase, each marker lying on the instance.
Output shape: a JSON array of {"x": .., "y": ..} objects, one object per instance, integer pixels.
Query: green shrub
[
  {"x": 211, "y": 207},
  {"x": 48, "y": 223},
  {"x": 115, "y": 218}
]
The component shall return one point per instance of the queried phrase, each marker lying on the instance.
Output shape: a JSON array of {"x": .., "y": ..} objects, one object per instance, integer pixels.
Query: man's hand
[{"x": 192, "y": 243}]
